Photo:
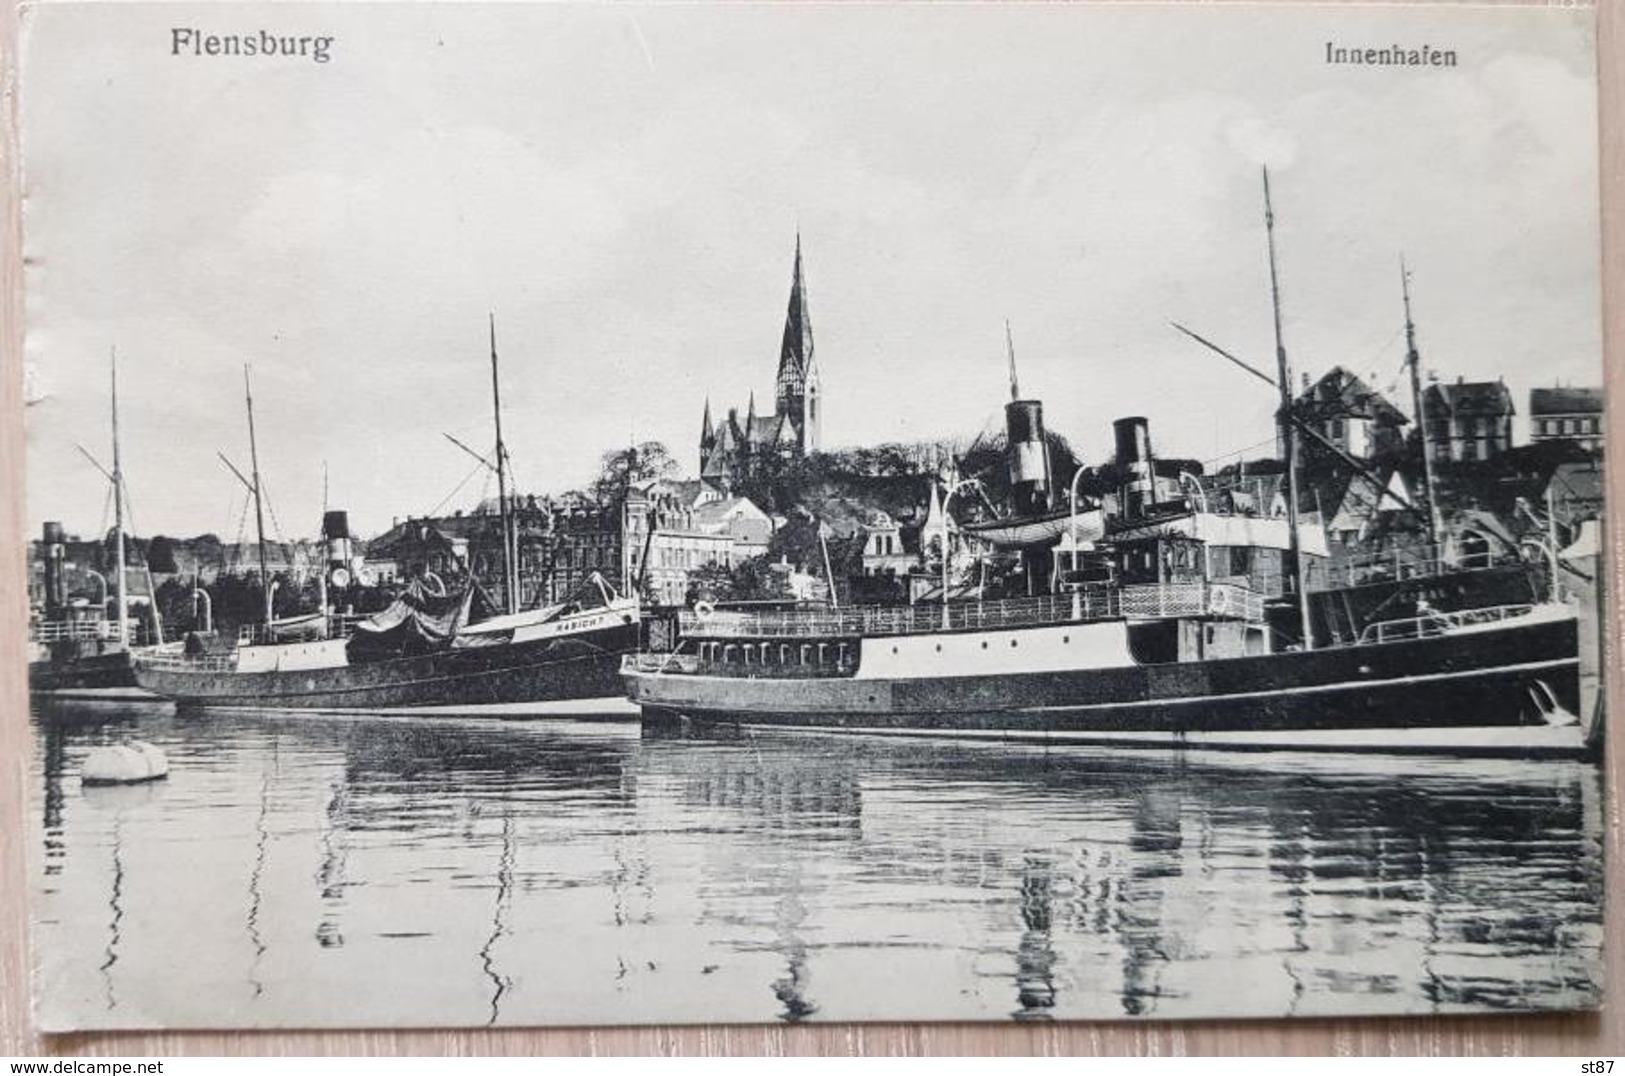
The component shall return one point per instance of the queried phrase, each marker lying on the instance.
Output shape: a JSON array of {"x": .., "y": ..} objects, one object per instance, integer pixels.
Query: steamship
[
  {"x": 419, "y": 656},
  {"x": 76, "y": 651},
  {"x": 422, "y": 654},
  {"x": 1169, "y": 621},
  {"x": 1150, "y": 640}
]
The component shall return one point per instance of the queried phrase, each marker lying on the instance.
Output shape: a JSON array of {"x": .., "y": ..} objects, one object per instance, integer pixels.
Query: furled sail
[{"x": 417, "y": 623}]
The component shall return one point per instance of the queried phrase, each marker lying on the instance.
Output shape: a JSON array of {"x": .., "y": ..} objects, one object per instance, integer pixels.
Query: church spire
[
  {"x": 796, "y": 390},
  {"x": 796, "y": 352},
  {"x": 708, "y": 434}
]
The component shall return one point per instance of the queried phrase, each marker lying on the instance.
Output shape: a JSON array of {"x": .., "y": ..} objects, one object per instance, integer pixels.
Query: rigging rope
[
  {"x": 240, "y": 540},
  {"x": 478, "y": 467},
  {"x": 1237, "y": 453}
]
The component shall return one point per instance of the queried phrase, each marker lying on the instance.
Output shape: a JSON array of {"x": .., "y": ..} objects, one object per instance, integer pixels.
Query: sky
[{"x": 622, "y": 186}]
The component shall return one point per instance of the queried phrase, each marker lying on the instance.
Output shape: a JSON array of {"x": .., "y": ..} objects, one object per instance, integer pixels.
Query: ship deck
[{"x": 1083, "y": 605}]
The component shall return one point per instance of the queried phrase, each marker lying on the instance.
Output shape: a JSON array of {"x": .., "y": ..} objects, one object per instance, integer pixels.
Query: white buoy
[{"x": 124, "y": 764}]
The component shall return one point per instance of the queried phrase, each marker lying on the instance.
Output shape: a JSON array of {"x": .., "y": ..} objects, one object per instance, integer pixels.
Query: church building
[{"x": 733, "y": 448}]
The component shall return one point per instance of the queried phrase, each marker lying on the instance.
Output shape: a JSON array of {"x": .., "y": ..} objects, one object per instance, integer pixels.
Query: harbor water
[{"x": 304, "y": 871}]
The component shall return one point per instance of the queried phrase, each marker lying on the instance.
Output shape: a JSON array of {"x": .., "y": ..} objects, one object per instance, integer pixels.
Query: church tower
[
  {"x": 796, "y": 390},
  {"x": 730, "y": 451},
  {"x": 708, "y": 438}
]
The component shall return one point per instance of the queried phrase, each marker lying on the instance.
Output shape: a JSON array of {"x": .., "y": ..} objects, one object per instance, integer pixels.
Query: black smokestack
[
  {"x": 336, "y": 534},
  {"x": 1133, "y": 442},
  {"x": 1028, "y": 455},
  {"x": 1133, "y": 437},
  {"x": 56, "y": 594}
]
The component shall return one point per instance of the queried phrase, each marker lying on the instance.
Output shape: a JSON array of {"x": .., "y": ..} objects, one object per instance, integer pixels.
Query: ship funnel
[
  {"x": 1133, "y": 441},
  {"x": 1028, "y": 455},
  {"x": 56, "y": 594},
  {"x": 336, "y": 533}
]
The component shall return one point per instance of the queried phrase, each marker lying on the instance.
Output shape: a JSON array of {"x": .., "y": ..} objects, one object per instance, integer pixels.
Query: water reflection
[
  {"x": 556, "y": 872},
  {"x": 1035, "y": 958},
  {"x": 262, "y": 838},
  {"x": 499, "y": 983},
  {"x": 330, "y": 875},
  {"x": 115, "y": 903}
]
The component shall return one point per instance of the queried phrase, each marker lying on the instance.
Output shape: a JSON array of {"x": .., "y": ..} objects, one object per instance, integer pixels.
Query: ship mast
[
  {"x": 510, "y": 554},
  {"x": 1414, "y": 360},
  {"x": 118, "y": 514},
  {"x": 1289, "y": 434},
  {"x": 259, "y": 507},
  {"x": 1010, "y": 350}
]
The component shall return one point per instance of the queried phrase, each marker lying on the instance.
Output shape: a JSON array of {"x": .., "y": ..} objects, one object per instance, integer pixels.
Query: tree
[
  {"x": 710, "y": 583},
  {"x": 756, "y": 579},
  {"x": 797, "y": 542},
  {"x": 624, "y": 468}
]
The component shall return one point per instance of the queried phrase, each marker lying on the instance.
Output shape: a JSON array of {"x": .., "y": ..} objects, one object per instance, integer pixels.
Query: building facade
[
  {"x": 1468, "y": 420},
  {"x": 1353, "y": 416},
  {"x": 668, "y": 539},
  {"x": 1567, "y": 414},
  {"x": 733, "y": 448}
]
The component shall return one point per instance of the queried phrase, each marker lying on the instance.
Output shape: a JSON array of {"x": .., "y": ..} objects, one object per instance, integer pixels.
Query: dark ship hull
[
  {"x": 569, "y": 671},
  {"x": 82, "y": 671},
  {"x": 1502, "y": 690}
]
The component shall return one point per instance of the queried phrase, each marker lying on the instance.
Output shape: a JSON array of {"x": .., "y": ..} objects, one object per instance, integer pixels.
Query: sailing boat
[
  {"x": 422, "y": 654},
  {"x": 1170, "y": 640},
  {"x": 79, "y": 656}
]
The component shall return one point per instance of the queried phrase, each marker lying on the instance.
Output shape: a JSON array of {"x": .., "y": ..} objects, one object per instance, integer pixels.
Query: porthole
[
  {"x": 894, "y": 650},
  {"x": 939, "y": 648},
  {"x": 1066, "y": 638},
  {"x": 1012, "y": 642},
  {"x": 984, "y": 644}
]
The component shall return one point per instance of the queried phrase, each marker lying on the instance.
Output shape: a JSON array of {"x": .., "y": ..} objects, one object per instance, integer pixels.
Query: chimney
[
  {"x": 1027, "y": 455},
  {"x": 55, "y": 592},
  {"x": 1132, "y": 437}
]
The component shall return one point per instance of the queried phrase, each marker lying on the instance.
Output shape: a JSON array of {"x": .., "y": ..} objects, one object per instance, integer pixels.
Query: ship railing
[
  {"x": 1078, "y": 605},
  {"x": 172, "y": 657},
  {"x": 1427, "y": 625},
  {"x": 667, "y": 662},
  {"x": 57, "y": 631},
  {"x": 1087, "y": 604},
  {"x": 339, "y": 626},
  {"x": 1416, "y": 562},
  {"x": 1167, "y": 601}
]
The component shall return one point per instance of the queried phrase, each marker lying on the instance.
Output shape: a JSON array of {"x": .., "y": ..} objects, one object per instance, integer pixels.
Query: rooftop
[{"x": 1565, "y": 400}]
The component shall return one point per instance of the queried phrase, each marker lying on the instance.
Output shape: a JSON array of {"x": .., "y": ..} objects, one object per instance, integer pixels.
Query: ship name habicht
[{"x": 1390, "y": 56}]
